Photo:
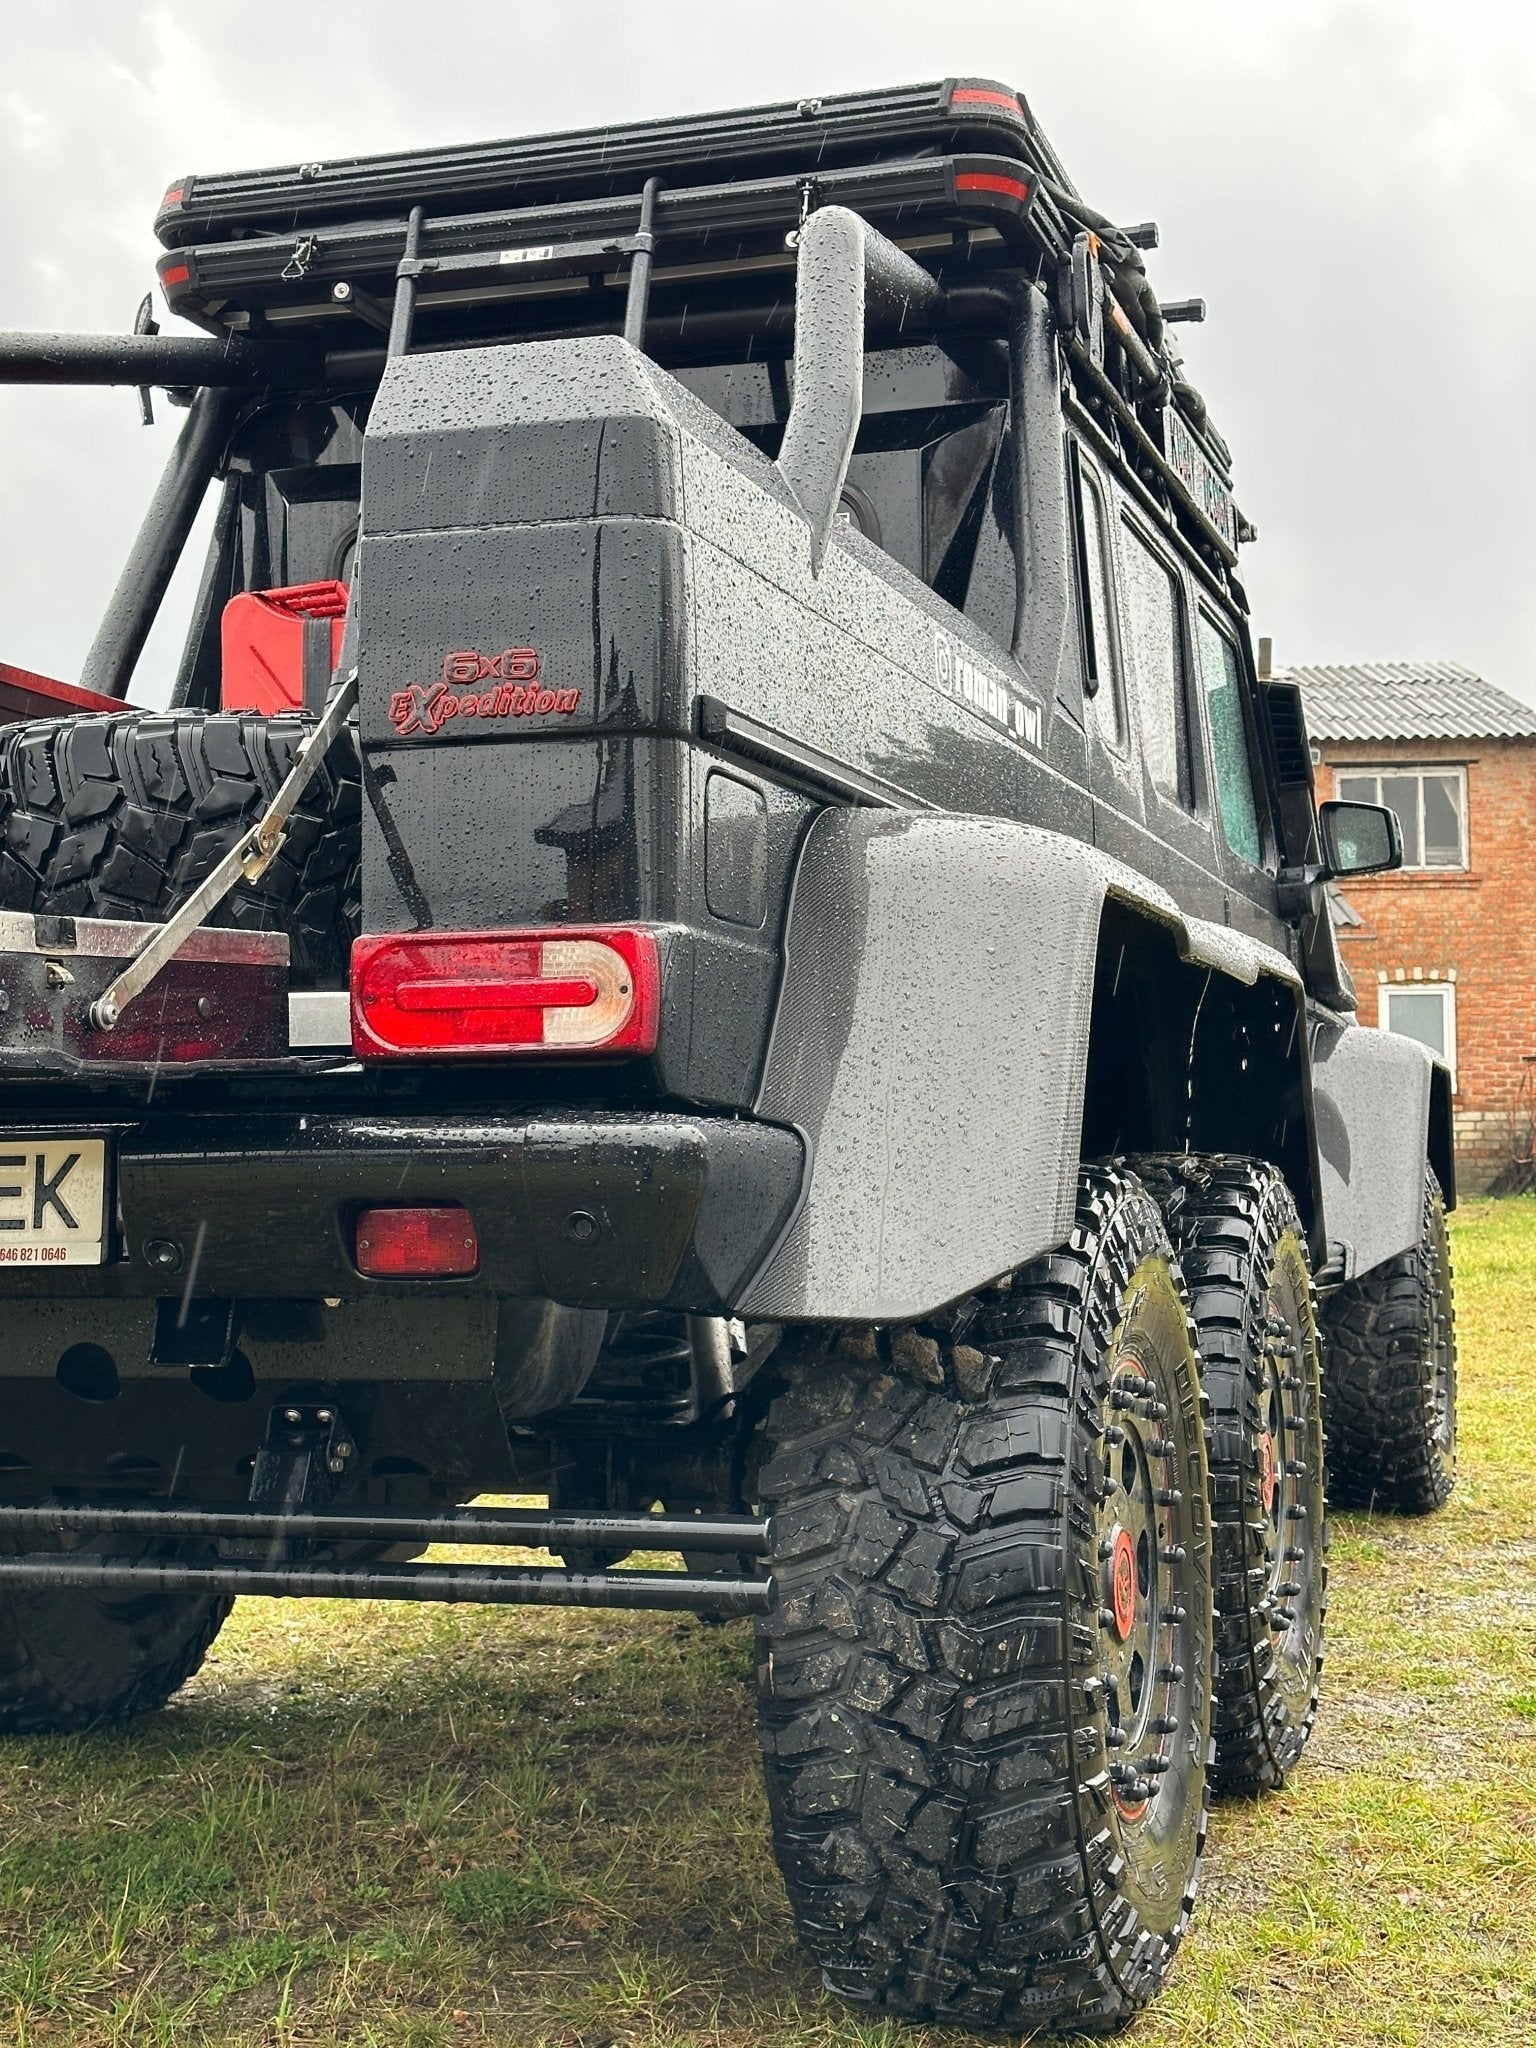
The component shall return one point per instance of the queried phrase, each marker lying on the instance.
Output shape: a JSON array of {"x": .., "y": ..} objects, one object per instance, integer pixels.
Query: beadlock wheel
[
  {"x": 985, "y": 1687},
  {"x": 1244, "y": 1258}
]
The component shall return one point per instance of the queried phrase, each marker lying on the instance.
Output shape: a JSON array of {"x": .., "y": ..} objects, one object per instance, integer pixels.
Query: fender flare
[
  {"x": 941, "y": 1115},
  {"x": 1381, "y": 1107}
]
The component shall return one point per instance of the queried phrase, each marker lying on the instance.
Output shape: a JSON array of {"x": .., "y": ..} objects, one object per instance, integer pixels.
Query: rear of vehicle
[{"x": 651, "y": 962}]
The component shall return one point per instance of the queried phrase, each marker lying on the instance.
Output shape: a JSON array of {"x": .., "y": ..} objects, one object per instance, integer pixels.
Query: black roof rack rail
[
  {"x": 945, "y": 117},
  {"x": 293, "y": 277}
]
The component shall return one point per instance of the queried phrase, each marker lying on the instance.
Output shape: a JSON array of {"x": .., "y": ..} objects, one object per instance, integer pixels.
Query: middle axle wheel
[{"x": 1244, "y": 1258}]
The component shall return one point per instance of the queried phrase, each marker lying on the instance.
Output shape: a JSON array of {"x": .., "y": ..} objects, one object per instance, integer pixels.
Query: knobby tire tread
[
  {"x": 1379, "y": 1377},
  {"x": 937, "y": 1786},
  {"x": 121, "y": 816},
  {"x": 128, "y": 1653},
  {"x": 1227, "y": 1218}
]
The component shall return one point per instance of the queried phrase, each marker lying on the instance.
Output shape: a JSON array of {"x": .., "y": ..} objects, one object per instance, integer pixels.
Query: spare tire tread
[{"x": 122, "y": 816}]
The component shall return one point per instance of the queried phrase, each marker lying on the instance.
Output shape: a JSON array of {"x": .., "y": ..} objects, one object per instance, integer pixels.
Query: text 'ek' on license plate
[{"x": 53, "y": 1200}]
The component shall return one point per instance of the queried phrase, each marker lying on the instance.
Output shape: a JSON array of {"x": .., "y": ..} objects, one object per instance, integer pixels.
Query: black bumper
[{"x": 600, "y": 1211}]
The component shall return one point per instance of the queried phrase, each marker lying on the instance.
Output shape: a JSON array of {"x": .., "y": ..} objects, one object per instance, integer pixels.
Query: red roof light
[
  {"x": 991, "y": 181},
  {"x": 984, "y": 96}
]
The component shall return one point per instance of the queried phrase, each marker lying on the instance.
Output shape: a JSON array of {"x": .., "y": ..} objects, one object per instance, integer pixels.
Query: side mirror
[{"x": 1359, "y": 839}]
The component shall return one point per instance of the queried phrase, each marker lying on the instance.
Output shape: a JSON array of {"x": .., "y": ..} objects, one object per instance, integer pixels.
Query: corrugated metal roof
[{"x": 1408, "y": 700}]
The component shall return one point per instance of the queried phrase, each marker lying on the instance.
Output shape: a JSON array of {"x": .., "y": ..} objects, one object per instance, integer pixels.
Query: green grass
[{"x": 423, "y": 1828}]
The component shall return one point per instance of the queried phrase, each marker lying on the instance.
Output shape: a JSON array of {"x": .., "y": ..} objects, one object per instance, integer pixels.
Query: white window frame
[
  {"x": 1445, "y": 990},
  {"x": 1419, "y": 769}
]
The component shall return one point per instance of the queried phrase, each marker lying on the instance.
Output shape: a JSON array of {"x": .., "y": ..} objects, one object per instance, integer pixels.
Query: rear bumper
[{"x": 600, "y": 1211}]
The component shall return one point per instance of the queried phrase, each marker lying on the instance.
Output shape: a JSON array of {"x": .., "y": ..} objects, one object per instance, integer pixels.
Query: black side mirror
[{"x": 1359, "y": 839}]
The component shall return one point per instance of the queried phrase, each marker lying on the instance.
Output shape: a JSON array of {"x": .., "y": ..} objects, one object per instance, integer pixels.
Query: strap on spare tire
[{"x": 247, "y": 860}]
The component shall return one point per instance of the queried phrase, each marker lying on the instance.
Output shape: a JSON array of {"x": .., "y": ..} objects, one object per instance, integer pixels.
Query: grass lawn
[{"x": 420, "y": 1828}]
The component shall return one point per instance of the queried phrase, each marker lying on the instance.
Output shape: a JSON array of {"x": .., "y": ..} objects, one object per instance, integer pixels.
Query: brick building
[{"x": 1444, "y": 950}]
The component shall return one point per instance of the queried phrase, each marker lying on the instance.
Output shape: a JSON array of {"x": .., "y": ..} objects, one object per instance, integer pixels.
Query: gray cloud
[{"x": 1349, "y": 183}]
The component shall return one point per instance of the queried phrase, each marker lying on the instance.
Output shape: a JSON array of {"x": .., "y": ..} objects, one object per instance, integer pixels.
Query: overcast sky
[{"x": 1350, "y": 184}]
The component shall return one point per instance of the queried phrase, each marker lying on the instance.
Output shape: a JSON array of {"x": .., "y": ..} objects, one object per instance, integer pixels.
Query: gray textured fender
[
  {"x": 1371, "y": 1094},
  {"x": 930, "y": 1046}
]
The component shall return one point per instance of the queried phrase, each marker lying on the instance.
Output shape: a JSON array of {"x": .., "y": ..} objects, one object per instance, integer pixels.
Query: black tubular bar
[
  {"x": 638, "y": 303},
  {"x": 151, "y": 562},
  {"x": 481, "y": 1585},
  {"x": 403, "y": 318},
  {"x": 161, "y": 359},
  {"x": 527, "y": 1528}
]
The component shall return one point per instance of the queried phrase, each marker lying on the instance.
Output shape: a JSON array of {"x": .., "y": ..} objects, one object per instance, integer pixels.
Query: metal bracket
[
  {"x": 309, "y": 1450},
  {"x": 247, "y": 861}
]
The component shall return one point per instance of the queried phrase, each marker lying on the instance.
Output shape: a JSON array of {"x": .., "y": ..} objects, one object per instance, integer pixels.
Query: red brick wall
[{"x": 1476, "y": 928}]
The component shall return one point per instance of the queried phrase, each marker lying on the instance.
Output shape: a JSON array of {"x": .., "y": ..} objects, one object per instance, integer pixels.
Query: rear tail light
[
  {"x": 436, "y": 1243},
  {"x": 437, "y": 995}
]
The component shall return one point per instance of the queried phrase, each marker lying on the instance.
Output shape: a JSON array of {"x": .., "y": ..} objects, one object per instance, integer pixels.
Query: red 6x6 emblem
[
  {"x": 517, "y": 692},
  {"x": 515, "y": 665}
]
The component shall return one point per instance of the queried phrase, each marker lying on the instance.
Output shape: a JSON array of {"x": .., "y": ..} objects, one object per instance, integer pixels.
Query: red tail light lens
[
  {"x": 440, "y": 995},
  {"x": 437, "y": 1243}
]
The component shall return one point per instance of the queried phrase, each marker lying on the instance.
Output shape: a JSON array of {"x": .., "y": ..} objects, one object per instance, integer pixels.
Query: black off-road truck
[{"x": 721, "y": 931}]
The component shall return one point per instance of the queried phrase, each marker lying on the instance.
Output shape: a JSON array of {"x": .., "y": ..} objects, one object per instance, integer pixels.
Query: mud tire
[
  {"x": 1389, "y": 1377},
  {"x": 71, "y": 1660},
  {"x": 936, "y": 1704},
  {"x": 122, "y": 817},
  {"x": 1243, "y": 1252}
]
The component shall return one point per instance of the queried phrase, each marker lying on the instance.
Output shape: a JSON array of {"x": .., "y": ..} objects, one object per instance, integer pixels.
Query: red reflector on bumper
[
  {"x": 568, "y": 989},
  {"x": 417, "y": 1244}
]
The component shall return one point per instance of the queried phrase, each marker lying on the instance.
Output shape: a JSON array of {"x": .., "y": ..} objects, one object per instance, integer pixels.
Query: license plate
[{"x": 53, "y": 1200}]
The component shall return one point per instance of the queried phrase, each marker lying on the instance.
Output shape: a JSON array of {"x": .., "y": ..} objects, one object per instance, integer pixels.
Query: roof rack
[
  {"x": 951, "y": 116},
  {"x": 683, "y": 234}
]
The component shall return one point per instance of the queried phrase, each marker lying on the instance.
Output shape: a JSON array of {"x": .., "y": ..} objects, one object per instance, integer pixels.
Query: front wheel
[
  {"x": 984, "y": 1690},
  {"x": 1389, "y": 1377}
]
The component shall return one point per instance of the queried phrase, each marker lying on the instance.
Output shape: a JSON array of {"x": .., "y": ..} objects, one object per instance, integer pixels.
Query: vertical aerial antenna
[
  {"x": 405, "y": 287},
  {"x": 639, "y": 300}
]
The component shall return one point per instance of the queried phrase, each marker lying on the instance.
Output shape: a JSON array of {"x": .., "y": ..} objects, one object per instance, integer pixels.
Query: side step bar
[{"x": 281, "y": 1576}]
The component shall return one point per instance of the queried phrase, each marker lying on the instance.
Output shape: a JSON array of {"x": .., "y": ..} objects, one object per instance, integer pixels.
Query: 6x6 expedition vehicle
[{"x": 719, "y": 930}]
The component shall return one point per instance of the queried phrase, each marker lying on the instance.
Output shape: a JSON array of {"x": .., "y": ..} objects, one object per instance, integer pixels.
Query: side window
[
  {"x": 1222, "y": 679},
  {"x": 1154, "y": 623},
  {"x": 1096, "y": 597}
]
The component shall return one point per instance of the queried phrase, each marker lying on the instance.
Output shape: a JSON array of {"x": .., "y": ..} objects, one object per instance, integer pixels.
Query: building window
[
  {"x": 1425, "y": 1011},
  {"x": 1431, "y": 807}
]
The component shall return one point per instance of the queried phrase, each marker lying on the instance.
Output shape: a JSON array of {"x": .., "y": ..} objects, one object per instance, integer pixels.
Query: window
[
  {"x": 1424, "y": 1010},
  {"x": 1097, "y": 614},
  {"x": 1154, "y": 627},
  {"x": 1222, "y": 677},
  {"x": 1431, "y": 807}
]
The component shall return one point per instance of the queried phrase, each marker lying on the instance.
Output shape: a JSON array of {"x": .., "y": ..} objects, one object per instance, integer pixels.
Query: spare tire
[{"x": 122, "y": 817}]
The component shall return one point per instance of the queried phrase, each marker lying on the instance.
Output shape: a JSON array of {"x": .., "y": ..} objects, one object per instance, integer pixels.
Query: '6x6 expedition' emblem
[{"x": 515, "y": 691}]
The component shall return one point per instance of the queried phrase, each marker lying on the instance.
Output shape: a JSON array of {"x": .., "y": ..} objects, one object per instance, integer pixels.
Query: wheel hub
[
  {"x": 1268, "y": 1471},
  {"x": 1139, "y": 1611},
  {"x": 1122, "y": 1579}
]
